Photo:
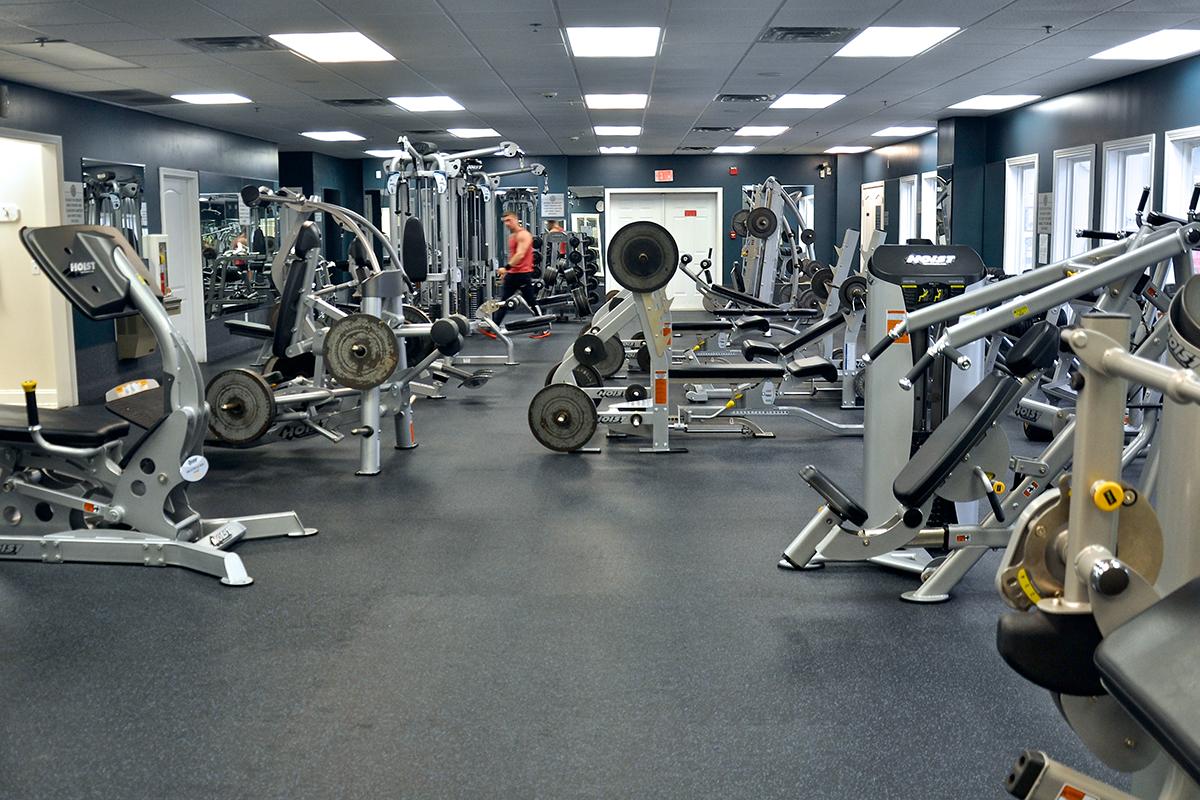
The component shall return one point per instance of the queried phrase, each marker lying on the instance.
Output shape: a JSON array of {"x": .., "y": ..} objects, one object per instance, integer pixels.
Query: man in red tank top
[{"x": 518, "y": 275}]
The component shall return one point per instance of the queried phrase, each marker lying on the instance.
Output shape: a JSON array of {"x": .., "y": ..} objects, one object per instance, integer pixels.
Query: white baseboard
[{"x": 47, "y": 398}]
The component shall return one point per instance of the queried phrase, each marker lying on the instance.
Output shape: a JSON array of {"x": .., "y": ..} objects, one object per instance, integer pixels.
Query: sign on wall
[
  {"x": 664, "y": 176},
  {"x": 1045, "y": 224},
  {"x": 554, "y": 205},
  {"x": 73, "y": 213}
]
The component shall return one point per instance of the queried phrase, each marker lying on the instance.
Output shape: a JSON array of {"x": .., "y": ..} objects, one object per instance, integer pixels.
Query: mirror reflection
[
  {"x": 113, "y": 194},
  {"x": 237, "y": 244}
]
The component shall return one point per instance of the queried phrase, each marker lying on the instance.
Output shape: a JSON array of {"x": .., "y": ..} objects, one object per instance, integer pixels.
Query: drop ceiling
[{"x": 507, "y": 64}]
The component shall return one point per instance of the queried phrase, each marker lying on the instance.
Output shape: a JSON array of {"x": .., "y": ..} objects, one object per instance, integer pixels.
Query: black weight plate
[
  {"x": 562, "y": 417},
  {"x": 361, "y": 351},
  {"x": 635, "y": 392},
  {"x": 588, "y": 349},
  {"x": 614, "y": 358},
  {"x": 580, "y": 296},
  {"x": 808, "y": 236},
  {"x": 464, "y": 324},
  {"x": 575, "y": 256},
  {"x": 822, "y": 282},
  {"x": 807, "y": 300},
  {"x": 739, "y": 222},
  {"x": 413, "y": 251},
  {"x": 241, "y": 406},
  {"x": 853, "y": 292},
  {"x": 643, "y": 358},
  {"x": 301, "y": 366},
  {"x": 762, "y": 222},
  {"x": 416, "y": 348},
  {"x": 587, "y": 377},
  {"x": 643, "y": 257}
]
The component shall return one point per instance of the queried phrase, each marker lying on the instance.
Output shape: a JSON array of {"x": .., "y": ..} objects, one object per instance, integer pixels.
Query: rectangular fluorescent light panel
[
  {"x": 618, "y": 149},
  {"x": 733, "y": 148},
  {"x": 420, "y": 105},
  {"x": 67, "y": 55},
  {"x": 333, "y": 48},
  {"x": 613, "y": 42},
  {"x": 473, "y": 133},
  {"x": 618, "y": 130},
  {"x": 211, "y": 99},
  {"x": 806, "y": 100},
  {"x": 760, "y": 130},
  {"x": 888, "y": 42},
  {"x": 615, "y": 101},
  {"x": 384, "y": 153},
  {"x": 1158, "y": 46},
  {"x": 333, "y": 136},
  {"x": 904, "y": 130},
  {"x": 996, "y": 102},
  {"x": 847, "y": 149}
]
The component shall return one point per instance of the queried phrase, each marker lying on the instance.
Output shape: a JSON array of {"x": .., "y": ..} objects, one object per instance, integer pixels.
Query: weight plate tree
[
  {"x": 241, "y": 406},
  {"x": 562, "y": 417},
  {"x": 643, "y": 257},
  {"x": 361, "y": 351}
]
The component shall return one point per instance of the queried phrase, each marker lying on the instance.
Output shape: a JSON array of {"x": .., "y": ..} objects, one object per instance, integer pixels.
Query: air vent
[
  {"x": 130, "y": 97},
  {"x": 361, "y": 102},
  {"x": 744, "y": 98},
  {"x": 704, "y": 129},
  {"x": 785, "y": 35},
  {"x": 694, "y": 149},
  {"x": 232, "y": 44}
]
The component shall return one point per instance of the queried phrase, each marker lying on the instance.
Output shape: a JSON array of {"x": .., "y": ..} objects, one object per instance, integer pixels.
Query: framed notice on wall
[{"x": 554, "y": 205}]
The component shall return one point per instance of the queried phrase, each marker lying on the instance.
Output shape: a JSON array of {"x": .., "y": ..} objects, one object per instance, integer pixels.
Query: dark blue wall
[
  {"x": 317, "y": 174},
  {"x": 109, "y": 133},
  {"x": 889, "y": 164},
  {"x": 1152, "y": 101}
]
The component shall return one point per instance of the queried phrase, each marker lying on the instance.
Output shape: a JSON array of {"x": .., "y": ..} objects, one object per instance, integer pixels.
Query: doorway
[
  {"x": 693, "y": 216},
  {"x": 32, "y": 312},
  {"x": 179, "y": 195},
  {"x": 874, "y": 216}
]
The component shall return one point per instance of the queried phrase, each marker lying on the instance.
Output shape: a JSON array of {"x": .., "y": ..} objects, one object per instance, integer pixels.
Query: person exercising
[{"x": 517, "y": 277}]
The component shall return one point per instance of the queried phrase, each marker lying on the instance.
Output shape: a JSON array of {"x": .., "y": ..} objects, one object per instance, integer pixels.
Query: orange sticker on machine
[
  {"x": 894, "y": 318},
  {"x": 1068, "y": 792},
  {"x": 660, "y": 388}
]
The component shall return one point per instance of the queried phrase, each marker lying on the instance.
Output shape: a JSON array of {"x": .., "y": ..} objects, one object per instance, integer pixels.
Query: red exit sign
[
  {"x": 664, "y": 175},
  {"x": 690, "y": 212}
]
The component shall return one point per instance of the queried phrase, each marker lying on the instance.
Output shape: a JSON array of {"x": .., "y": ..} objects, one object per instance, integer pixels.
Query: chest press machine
[{"x": 64, "y": 473}]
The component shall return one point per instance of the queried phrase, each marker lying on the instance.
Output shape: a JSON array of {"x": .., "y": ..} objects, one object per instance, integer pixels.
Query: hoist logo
[
  {"x": 81, "y": 267},
  {"x": 926, "y": 260}
]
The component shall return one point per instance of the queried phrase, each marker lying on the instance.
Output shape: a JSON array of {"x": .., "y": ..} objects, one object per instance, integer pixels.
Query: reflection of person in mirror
[
  {"x": 518, "y": 275},
  {"x": 240, "y": 243}
]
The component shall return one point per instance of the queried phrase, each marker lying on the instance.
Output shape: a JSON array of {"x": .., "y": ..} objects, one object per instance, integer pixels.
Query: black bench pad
[
  {"x": 964, "y": 428},
  {"x": 813, "y": 367},
  {"x": 530, "y": 323},
  {"x": 252, "y": 330},
  {"x": 740, "y": 297},
  {"x": 71, "y": 427},
  {"x": 1149, "y": 666},
  {"x": 727, "y": 373}
]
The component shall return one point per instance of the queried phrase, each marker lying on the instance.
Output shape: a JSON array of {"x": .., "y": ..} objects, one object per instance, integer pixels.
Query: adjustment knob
[{"x": 1109, "y": 577}]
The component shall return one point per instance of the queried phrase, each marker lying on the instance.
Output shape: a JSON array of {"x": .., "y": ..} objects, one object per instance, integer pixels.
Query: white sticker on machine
[{"x": 194, "y": 468}]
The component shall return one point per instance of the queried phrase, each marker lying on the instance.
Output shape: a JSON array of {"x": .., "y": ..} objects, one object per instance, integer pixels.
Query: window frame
[
  {"x": 1108, "y": 208},
  {"x": 1014, "y": 215},
  {"x": 911, "y": 220},
  {"x": 1177, "y": 188},
  {"x": 1062, "y": 235}
]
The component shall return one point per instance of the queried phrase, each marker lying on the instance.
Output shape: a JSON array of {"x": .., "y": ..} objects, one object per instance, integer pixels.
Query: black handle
[
  {"x": 1085, "y": 233},
  {"x": 1195, "y": 199},
  {"x": 1144, "y": 199},
  {"x": 923, "y": 363},
  {"x": 992, "y": 498},
  {"x": 31, "y": 409},
  {"x": 877, "y": 349}
]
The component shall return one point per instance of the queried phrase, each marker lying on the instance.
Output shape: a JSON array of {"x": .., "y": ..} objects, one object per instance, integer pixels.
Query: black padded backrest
[
  {"x": 80, "y": 261},
  {"x": 413, "y": 251},
  {"x": 1036, "y": 349},
  {"x": 309, "y": 238},
  {"x": 1149, "y": 665},
  {"x": 813, "y": 332},
  {"x": 258, "y": 242},
  {"x": 358, "y": 253},
  {"x": 960, "y": 431},
  {"x": 289, "y": 305}
]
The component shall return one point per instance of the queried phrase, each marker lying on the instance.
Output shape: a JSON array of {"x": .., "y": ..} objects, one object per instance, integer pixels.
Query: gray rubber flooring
[{"x": 488, "y": 619}]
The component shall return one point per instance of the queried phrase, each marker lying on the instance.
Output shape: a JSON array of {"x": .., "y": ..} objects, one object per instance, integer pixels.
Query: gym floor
[{"x": 489, "y": 619}]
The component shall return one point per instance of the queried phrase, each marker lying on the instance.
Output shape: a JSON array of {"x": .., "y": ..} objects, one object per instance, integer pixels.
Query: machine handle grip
[
  {"x": 1145, "y": 198},
  {"x": 31, "y": 409},
  {"x": 923, "y": 363},
  {"x": 992, "y": 498},
  {"x": 877, "y": 349},
  {"x": 1085, "y": 233},
  {"x": 1195, "y": 199}
]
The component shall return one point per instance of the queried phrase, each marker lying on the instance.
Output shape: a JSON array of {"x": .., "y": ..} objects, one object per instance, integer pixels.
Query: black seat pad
[
  {"x": 688, "y": 326},
  {"x": 964, "y": 428},
  {"x": 754, "y": 323},
  {"x": 813, "y": 367},
  {"x": 760, "y": 348},
  {"x": 727, "y": 373},
  {"x": 838, "y": 501},
  {"x": 253, "y": 330},
  {"x": 529, "y": 323},
  {"x": 740, "y": 297},
  {"x": 1053, "y": 651},
  {"x": 1149, "y": 665},
  {"x": 71, "y": 427}
]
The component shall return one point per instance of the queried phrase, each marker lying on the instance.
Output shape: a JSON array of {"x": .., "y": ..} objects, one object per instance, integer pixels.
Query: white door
[
  {"x": 179, "y": 193},
  {"x": 873, "y": 215},
  {"x": 691, "y": 217}
]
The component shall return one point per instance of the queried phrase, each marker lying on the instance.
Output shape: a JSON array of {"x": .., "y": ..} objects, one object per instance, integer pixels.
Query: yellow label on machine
[
  {"x": 1020, "y": 312},
  {"x": 1027, "y": 587},
  {"x": 1108, "y": 495}
]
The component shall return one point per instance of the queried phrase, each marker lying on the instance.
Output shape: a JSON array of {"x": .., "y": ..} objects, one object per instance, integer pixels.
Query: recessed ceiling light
[
  {"x": 1155, "y": 46},
  {"x": 211, "y": 99},
  {"x": 605, "y": 101},
  {"x": 613, "y": 42},
  {"x": 733, "y": 148},
  {"x": 996, "y": 102},
  {"x": 473, "y": 133},
  {"x": 760, "y": 130},
  {"x": 333, "y": 136},
  {"x": 618, "y": 149},
  {"x": 385, "y": 153},
  {"x": 806, "y": 100},
  {"x": 422, "y": 104},
  {"x": 887, "y": 42},
  {"x": 847, "y": 149},
  {"x": 905, "y": 130},
  {"x": 618, "y": 130},
  {"x": 333, "y": 48}
]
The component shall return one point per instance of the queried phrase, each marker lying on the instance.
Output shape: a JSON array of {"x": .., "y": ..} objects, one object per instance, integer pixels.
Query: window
[
  {"x": 908, "y": 208},
  {"x": 1072, "y": 199},
  {"x": 1181, "y": 173},
  {"x": 1128, "y": 167},
  {"x": 1020, "y": 214},
  {"x": 929, "y": 206}
]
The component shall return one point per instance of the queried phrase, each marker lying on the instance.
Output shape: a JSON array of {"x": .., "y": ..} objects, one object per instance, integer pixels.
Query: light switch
[{"x": 9, "y": 213}]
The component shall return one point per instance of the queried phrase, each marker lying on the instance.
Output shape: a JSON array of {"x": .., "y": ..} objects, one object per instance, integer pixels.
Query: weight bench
[
  {"x": 68, "y": 427},
  {"x": 753, "y": 372},
  {"x": 755, "y": 323},
  {"x": 251, "y": 330},
  {"x": 761, "y": 348},
  {"x": 742, "y": 298},
  {"x": 529, "y": 323}
]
